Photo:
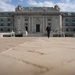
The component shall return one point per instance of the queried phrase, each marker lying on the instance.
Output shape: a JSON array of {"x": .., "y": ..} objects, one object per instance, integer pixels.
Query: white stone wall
[
  {"x": 60, "y": 23},
  {"x": 19, "y": 21},
  {"x": 56, "y": 23}
]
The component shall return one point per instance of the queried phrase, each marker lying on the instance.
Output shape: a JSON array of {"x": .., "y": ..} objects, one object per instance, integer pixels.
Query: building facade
[
  {"x": 6, "y": 21},
  {"x": 68, "y": 22},
  {"x": 36, "y": 19}
]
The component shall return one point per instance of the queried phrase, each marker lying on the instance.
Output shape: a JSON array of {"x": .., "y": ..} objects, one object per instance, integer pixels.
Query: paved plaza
[{"x": 37, "y": 56}]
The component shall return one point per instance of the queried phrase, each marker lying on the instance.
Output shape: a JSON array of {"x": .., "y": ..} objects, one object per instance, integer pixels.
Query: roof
[{"x": 37, "y": 9}]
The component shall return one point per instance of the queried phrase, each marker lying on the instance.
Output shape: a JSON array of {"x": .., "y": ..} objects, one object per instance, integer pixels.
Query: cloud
[
  {"x": 67, "y": 1},
  {"x": 65, "y": 5},
  {"x": 20, "y": 1},
  {"x": 40, "y": 4},
  {"x": 5, "y": 5}
]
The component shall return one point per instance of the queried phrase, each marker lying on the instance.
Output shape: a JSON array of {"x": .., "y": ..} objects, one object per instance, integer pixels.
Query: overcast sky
[{"x": 65, "y": 5}]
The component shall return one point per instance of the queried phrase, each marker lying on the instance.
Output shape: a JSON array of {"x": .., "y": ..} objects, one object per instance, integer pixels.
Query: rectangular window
[
  {"x": 9, "y": 14},
  {"x": 65, "y": 13},
  {"x": 8, "y": 24},
  {"x": 2, "y": 24},
  {"x": 8, "y": 19},
  {"x": 26, "y": 19},
  {"x": 66, "y": 19},
  {"x": 67, "y": 29},
  {"x": 49, "y": 23},
  {"x": 73, "y": 20},
  {"x": 8, "y": 29},
  {"x": 1, "y": 29},
  {"x": 1, "y": 19},
  {"x": 2, "y": 14},
  {"x": 74, "y": 29},
  {"x": 72, "y": 13},
  {"x": 67, "y": 24},
  {"x": 18, "y": 17},
  {"x": 26, "y": 23},
  {"x": 49, "y": 19},
  {"x": 73, "y": 24}
]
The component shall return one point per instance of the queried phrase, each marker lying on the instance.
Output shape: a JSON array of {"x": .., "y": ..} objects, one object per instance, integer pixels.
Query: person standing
[{"x": 48, "y": 29}]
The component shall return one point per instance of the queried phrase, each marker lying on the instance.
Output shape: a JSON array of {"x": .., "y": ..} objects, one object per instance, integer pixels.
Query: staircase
[{"x": 34, "y": 35}]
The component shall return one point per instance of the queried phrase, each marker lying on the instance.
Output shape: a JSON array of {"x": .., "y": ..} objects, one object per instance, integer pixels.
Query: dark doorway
[
  {"x": 37, "y": 27},
  {"x": 26, "y": 28}
]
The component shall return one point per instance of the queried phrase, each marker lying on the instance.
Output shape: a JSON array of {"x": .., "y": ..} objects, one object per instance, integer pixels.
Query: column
[
  {"x": 46, "y": 21},
  {"x": 60, "y": 23},
  {"x": 43, "y": 24},
  {"x": 32, "y": 24},
  {"x": 23, "y": 24},
  {"x": 29, "y": 25}
]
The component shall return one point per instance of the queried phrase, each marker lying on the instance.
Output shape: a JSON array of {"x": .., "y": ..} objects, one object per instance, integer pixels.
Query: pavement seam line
[{"x": 43, "y": 69}]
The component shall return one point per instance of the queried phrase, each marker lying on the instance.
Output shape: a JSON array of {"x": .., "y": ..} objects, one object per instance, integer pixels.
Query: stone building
[
  {"x": 36, "y": 19},
  {"x": 6, "y": 21},
  {"x": 68, "y": 22}
]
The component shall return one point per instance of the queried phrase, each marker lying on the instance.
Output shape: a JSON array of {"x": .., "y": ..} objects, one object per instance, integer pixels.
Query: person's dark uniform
[{"x": 48, "y": 31}]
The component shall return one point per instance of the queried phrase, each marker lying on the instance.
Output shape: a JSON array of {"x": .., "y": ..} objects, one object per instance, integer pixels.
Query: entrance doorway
[
  {"x": 26, "y": 28},
  {"x": 37, "y": 27}
]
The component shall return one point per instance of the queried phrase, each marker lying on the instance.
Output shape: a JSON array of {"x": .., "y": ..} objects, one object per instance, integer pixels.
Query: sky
[{"x": 10, "y": 5}]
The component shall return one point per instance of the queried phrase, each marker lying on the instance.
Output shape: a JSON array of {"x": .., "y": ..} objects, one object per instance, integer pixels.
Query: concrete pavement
[{"x": 37, "y": 56}]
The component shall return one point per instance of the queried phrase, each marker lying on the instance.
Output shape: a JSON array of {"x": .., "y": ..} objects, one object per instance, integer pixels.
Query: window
[
  {"x": 66, "y": 19},
  {"x": 74, "y": 29},
  {"x": 73, "y": 20},
  {"x": 67, "y": 24},
  {"x": 65, "y": 13},
  {"x": 8, "y": 29},
  {"x": 8, "y": 19},
  {"x": 1, "y": 20},
  {"x": 49, "y": 19},
  {"x": 26, "y": 19},
  {"x": 2, "y": 14},
  {"x": 18, "y": 17},
  {"x": 8, "y": 24},
  {"x": 67, "y": 29},
  {"x": 2, "y": 24},
  {"x": 49, "y": 23},
  {"x": 72, "y": 13},
  {"x": 26, "y": 23},
  {"x": 1, "y": 29},
  {"x": 73, "y": 24},
  {"x": 9, "y": 14}
]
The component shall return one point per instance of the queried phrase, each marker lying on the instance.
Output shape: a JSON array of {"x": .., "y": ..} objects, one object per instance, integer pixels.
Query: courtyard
[{"x": 37, "y": 56}]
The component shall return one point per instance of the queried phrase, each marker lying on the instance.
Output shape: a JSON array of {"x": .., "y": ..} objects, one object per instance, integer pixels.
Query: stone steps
[{"x": 35, "y": 35}]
